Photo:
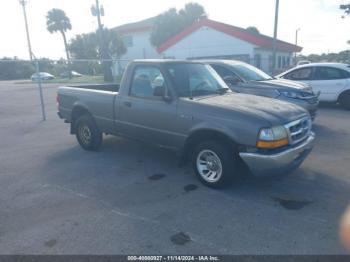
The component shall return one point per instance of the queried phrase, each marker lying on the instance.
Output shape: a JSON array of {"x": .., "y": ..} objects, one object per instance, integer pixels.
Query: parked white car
[
  {"x": 303, "y": 62},
  {"x": 332, "y": 80}
]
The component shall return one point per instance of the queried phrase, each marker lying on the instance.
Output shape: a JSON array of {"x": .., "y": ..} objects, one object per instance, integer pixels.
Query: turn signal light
[{"x": 272, "y": 144}]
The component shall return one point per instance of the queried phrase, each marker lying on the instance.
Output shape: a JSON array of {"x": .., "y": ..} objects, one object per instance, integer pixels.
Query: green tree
[
  {"x": 191, "y": 13},
  {"x": 12, "y": 68},
  {"x": 173, "y": 22},
  {"x": 346, "y": 9},
  {"x": 86, "y": 46},
  {"x": 47, "y": 65},
  {"x": 114, "y": 45},
  {"x": 341, "y": 57},
  {"x": 57, "y": 21},
  {"x": 253, "y": 30}
]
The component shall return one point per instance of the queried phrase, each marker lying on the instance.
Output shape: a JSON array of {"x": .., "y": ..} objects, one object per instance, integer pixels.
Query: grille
[{"x": 299, "y": 130}]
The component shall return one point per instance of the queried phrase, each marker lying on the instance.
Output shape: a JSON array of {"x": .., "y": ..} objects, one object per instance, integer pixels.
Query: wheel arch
[
  {"x": 343, "y": 93},
  {"x": 78, "y": 111},
  {"x": 205, "y": 134}
]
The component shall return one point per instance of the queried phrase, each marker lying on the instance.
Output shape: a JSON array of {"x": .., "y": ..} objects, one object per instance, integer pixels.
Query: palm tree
[{"x": 57, "y": 21}]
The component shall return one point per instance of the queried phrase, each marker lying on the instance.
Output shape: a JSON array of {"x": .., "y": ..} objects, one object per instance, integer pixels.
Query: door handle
[{"x": 127, "y": 103}]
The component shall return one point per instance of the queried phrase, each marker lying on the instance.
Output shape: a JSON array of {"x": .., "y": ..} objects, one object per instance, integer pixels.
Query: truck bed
[{"x": 102, "y": 87}]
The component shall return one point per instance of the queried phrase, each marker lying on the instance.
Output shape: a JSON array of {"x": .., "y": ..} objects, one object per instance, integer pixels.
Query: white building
[
  {"x": 208, "y": 39},
  {"x": 136, "y": 38}
]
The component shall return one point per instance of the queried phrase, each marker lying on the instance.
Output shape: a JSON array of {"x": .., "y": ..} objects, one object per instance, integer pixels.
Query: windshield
[
  {"x": 250, "y": 73},
  {"x": 192, "y": 80}
]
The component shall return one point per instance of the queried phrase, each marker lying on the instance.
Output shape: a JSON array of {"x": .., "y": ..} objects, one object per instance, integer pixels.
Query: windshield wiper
[
  {"x": 217, "y": 91},
  {"x": 267, "y": 79},
  {"x": 200, "y": 92}
]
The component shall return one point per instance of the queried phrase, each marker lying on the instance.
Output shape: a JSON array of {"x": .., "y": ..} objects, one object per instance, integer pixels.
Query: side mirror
[
  {"x": 160, "y": 91},
  {"x": 231, "y": 80}
]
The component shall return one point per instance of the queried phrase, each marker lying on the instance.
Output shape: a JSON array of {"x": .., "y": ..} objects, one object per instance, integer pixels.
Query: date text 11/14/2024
[{"x": 173, "y": 258}]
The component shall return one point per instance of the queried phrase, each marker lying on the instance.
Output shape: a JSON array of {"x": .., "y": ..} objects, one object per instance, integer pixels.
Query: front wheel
[
  {"x": 87, "y": 133},
  {"x": 215, "y": 164}
]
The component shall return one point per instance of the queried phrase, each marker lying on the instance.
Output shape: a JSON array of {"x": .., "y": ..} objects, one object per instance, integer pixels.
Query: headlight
[
  {"x": 272, "y": 137},
  {"x": 291, "y": 94}
]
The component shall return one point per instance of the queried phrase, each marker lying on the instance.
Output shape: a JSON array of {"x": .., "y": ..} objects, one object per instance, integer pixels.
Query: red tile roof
[{"x": 260, "y": 40}]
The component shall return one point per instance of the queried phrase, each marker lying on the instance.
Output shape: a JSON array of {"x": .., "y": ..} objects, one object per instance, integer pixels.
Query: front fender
[{"x": 215, "y": 127}]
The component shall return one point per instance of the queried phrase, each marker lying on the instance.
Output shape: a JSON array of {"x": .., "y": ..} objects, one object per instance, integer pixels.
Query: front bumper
[{"x": 269, "y": 164}]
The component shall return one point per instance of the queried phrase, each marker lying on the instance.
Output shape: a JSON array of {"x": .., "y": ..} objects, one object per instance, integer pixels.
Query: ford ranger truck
[{"x": 186, "y": 107}]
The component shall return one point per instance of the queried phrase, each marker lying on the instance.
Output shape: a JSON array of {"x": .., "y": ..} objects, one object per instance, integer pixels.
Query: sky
[{"x": 322, "y": 29}]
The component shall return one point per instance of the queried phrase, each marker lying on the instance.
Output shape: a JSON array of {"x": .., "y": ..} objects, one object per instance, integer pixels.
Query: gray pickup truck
[{"x": 185, "y": 106}]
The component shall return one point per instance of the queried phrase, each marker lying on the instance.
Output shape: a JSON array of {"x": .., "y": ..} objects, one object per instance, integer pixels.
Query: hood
[
  {"x": 276, "y": 112},
  {"x": 280, "y": 84}
]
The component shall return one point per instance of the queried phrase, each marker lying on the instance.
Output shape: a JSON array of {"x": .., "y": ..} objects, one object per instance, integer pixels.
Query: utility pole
[
  {"x": 296, "y": 43},
  {"x": 23, "y": 3},
  {"x": 98, "y": 14},
  {"x": 98, "y": 11},
  {"x": 274, "y": 44}
]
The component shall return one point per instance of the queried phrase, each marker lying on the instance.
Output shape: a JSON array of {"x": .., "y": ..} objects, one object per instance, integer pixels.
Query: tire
[
  {"x": 344, "y": 100},
  {"x": 87, "y": 133},
  {"x": 215, "y": 164}
]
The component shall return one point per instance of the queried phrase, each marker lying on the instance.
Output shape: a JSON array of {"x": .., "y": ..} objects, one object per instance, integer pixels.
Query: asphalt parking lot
[{"x": 130, "y": 198}]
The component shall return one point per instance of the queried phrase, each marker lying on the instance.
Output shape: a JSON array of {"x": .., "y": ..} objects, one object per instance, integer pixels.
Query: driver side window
[
  {"x": 146, "y": 82},
  {"x": 300, "y": 74},
  {"x": 227, "y": 75},
  {"x": 222, "y": 71}
]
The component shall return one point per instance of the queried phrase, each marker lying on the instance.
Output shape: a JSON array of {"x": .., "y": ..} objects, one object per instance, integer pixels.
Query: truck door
[{"x": 144, "y": 113}]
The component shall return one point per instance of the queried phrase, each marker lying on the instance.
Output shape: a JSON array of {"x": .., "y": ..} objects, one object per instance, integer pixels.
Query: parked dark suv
[{"x": 244, "y": 78}]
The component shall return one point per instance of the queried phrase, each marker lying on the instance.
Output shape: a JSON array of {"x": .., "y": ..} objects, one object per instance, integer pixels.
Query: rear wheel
[
  {"x": 215, "y": 163},
  {"x": 344, "y": 100},
  {"x": 87, "y": 133}
]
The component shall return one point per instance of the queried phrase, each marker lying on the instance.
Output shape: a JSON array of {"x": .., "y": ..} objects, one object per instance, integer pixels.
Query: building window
[
  {"x": 128, "y": 41},
  {"x": 284, "y": 62},
  {"x": 270, "y": 63},
  {"x": 288, "y": 61},
  {"x": 257, "y": 60},
  {"x": 279, "y": 63}
]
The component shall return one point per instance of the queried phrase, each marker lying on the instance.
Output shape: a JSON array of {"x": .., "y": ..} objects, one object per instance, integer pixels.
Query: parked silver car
[
  {"x": 73, "y": 74},
  {"x": 244, "y": 78},
  {"x": 42, "y": 76}
]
